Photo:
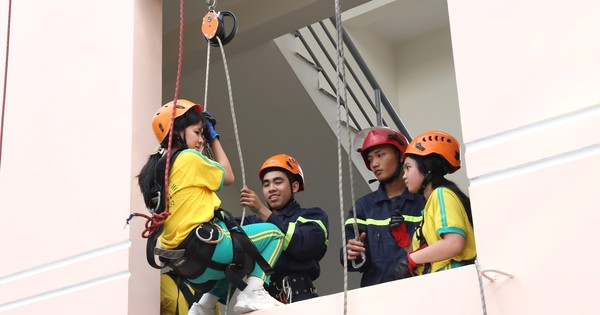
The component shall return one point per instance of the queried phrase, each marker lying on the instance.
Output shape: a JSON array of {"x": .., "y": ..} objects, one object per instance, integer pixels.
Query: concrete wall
[
  {"x": 528, "y": 77},
  {"x": 83, "y": 86},
  {"x": 81, "y": 77}
]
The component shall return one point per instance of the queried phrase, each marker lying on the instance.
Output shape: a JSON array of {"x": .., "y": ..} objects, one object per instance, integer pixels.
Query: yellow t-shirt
[
  {"x": 193, "y": 183},
  {"x": 445, "y": 213}
]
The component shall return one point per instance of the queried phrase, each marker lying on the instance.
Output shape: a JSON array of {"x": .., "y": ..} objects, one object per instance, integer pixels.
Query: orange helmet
[
  {"x": 285, "y": 162},
  {"x": 436, "y": 142},
  {"x": 370, "y": 137},
  {"x": 161, "y": 123}
]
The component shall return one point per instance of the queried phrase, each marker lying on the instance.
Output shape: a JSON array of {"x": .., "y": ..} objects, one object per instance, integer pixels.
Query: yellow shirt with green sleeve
[
  {"x": 193, "y": 183},
  {"x": 445, "y": 213}
]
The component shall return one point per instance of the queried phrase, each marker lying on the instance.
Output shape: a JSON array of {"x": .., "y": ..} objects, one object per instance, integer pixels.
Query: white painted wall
[
  {"x": 81, "y": 79},
  {"x": 419, "y": 79},
  {"x": 426, "y": 87},
  {"x": 528, "y": 77},
  {"x": 76, "y": 133}
]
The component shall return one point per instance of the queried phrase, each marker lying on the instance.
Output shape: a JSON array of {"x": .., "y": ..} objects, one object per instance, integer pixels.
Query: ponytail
[{"x": 147, "y": 177}]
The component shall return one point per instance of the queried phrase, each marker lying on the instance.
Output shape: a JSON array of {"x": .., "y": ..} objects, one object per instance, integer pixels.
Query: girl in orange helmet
[
  {"x": 195, "y": 222},
  {"x": 445, "y": 238}
]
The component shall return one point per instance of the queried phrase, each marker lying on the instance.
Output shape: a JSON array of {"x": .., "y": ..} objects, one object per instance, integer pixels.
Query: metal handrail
[{"x": 377, "y": 100}]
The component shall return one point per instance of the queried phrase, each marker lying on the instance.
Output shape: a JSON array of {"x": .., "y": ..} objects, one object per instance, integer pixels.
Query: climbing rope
[
  {"x": 5, "y": 77},
  {"x": 211, "y": 4},
  {"x": 154, "y": 222},
  {"x": 235, "y": 127},
  {"x": 341, "y": 86},
  {"x": 481, "y": 292},
  {"x": 232, "y": 108}
]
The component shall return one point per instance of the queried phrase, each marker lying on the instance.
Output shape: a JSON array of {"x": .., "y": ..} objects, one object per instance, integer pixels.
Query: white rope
[
  {"x": 339, "y": 58},
  {"x": 206, "y": 81},
  {"x": 481, "y": 292},
  {"x": 205, "y": 104},
  {"x": 235, "y": 127}
]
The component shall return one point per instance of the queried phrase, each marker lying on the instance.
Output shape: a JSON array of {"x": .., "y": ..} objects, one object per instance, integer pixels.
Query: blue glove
[{"x": 209, "y": 123}]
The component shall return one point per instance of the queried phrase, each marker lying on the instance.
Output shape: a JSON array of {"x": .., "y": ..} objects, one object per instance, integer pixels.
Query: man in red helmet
[
  {"x": 384, "y": 216},
  {"x": 305, "y": 230}
]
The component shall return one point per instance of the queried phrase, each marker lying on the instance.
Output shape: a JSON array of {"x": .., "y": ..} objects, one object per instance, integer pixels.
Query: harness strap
[
  {"x": 184, "y": 287},
  {"x": 422, "y": 243},
  {"x": 191, "y": 258},
  {"x": 150, "y": 246},
  {"x": 245, "y": 253},
  {"x": 289, "y": 286},
  {"x": 158, "y": 191}
]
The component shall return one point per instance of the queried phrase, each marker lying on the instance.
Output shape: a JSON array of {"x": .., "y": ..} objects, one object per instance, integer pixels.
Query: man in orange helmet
[
  {"x": 305, "y": 229},
  {"x": 385, "y": 215}
]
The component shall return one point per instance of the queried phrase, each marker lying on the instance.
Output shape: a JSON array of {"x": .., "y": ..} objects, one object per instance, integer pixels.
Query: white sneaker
[
  {"x": 258, "y": 299},
  {"x": 199, "y": 309}
]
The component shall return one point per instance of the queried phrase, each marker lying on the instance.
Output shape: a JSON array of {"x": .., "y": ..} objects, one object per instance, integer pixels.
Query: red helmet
[
  {"x": 437, "y": 142},
  {"x": 286, "y": 163},
  {"x": 161, "y": 123},
  {"x": 370, "y": 137}
]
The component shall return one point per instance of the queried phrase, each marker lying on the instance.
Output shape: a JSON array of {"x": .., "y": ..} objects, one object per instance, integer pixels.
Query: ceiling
[
  {"x": 399, "y": 20},
  {"x": 263, "y": 20}
]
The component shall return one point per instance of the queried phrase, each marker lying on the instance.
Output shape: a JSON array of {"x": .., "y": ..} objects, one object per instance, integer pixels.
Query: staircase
[{"x": 311, "y": 52}]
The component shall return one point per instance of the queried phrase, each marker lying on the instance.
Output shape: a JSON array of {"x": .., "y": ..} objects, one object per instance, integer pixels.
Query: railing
[{"x": 367, "y": 104}]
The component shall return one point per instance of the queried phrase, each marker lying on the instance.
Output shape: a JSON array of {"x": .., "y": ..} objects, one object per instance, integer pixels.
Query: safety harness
[{"x": 191, "y": 258}]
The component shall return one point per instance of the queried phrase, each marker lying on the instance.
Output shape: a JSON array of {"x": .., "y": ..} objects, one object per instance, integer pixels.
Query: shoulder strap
[
  {"x": 158, "y": 191},
  {"x": 159, "y": 205},
  {"x": 150, "y": 245}
]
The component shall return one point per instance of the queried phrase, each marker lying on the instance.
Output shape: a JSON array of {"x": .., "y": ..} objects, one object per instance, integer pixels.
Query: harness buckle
[
  {"x": 171, "y": 254},
  {"x": 208, "y": 233}
]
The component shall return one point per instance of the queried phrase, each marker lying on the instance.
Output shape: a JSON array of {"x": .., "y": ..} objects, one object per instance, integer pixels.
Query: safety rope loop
[{"x": 152, "y": 224}]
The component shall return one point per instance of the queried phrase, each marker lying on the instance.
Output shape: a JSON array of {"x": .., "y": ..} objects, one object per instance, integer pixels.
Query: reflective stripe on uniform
[
  {"x": 385, "y": 222},
  {"x": 292, "y": 227}
]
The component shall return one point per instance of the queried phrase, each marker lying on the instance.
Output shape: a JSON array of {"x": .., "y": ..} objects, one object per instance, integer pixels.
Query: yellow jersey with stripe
[
  {"x": 193, "y": 183},
  {"x": 445, "y": 213}
]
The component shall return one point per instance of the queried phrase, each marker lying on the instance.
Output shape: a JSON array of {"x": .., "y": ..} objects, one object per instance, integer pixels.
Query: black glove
[
  {"x": 402, "y": 270},
  {"x": 396, "y": 219},
  {"x": 398, "y": 229}
]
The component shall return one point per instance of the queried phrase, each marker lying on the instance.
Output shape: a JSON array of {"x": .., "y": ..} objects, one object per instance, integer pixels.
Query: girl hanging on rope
[
  {"x": 196, "y": 225},
  {"x": 444, "y": 239}
]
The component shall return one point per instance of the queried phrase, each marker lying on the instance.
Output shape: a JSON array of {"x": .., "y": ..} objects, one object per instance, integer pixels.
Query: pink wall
[
  {"x": 528, "y": 74},
  {"x": 84, "y": 80}
]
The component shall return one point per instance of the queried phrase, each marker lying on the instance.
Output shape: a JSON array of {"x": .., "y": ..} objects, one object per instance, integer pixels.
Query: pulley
[{"x": 213, "y": 26}]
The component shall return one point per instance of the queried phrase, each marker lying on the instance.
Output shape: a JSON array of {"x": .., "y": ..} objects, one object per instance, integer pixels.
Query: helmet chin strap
[
  {"x": 393, "y": 177},
  {"x": 292, "y": 199},
  {"x": 285, "y": 206},
  {"x": 426, "y": 181}
]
